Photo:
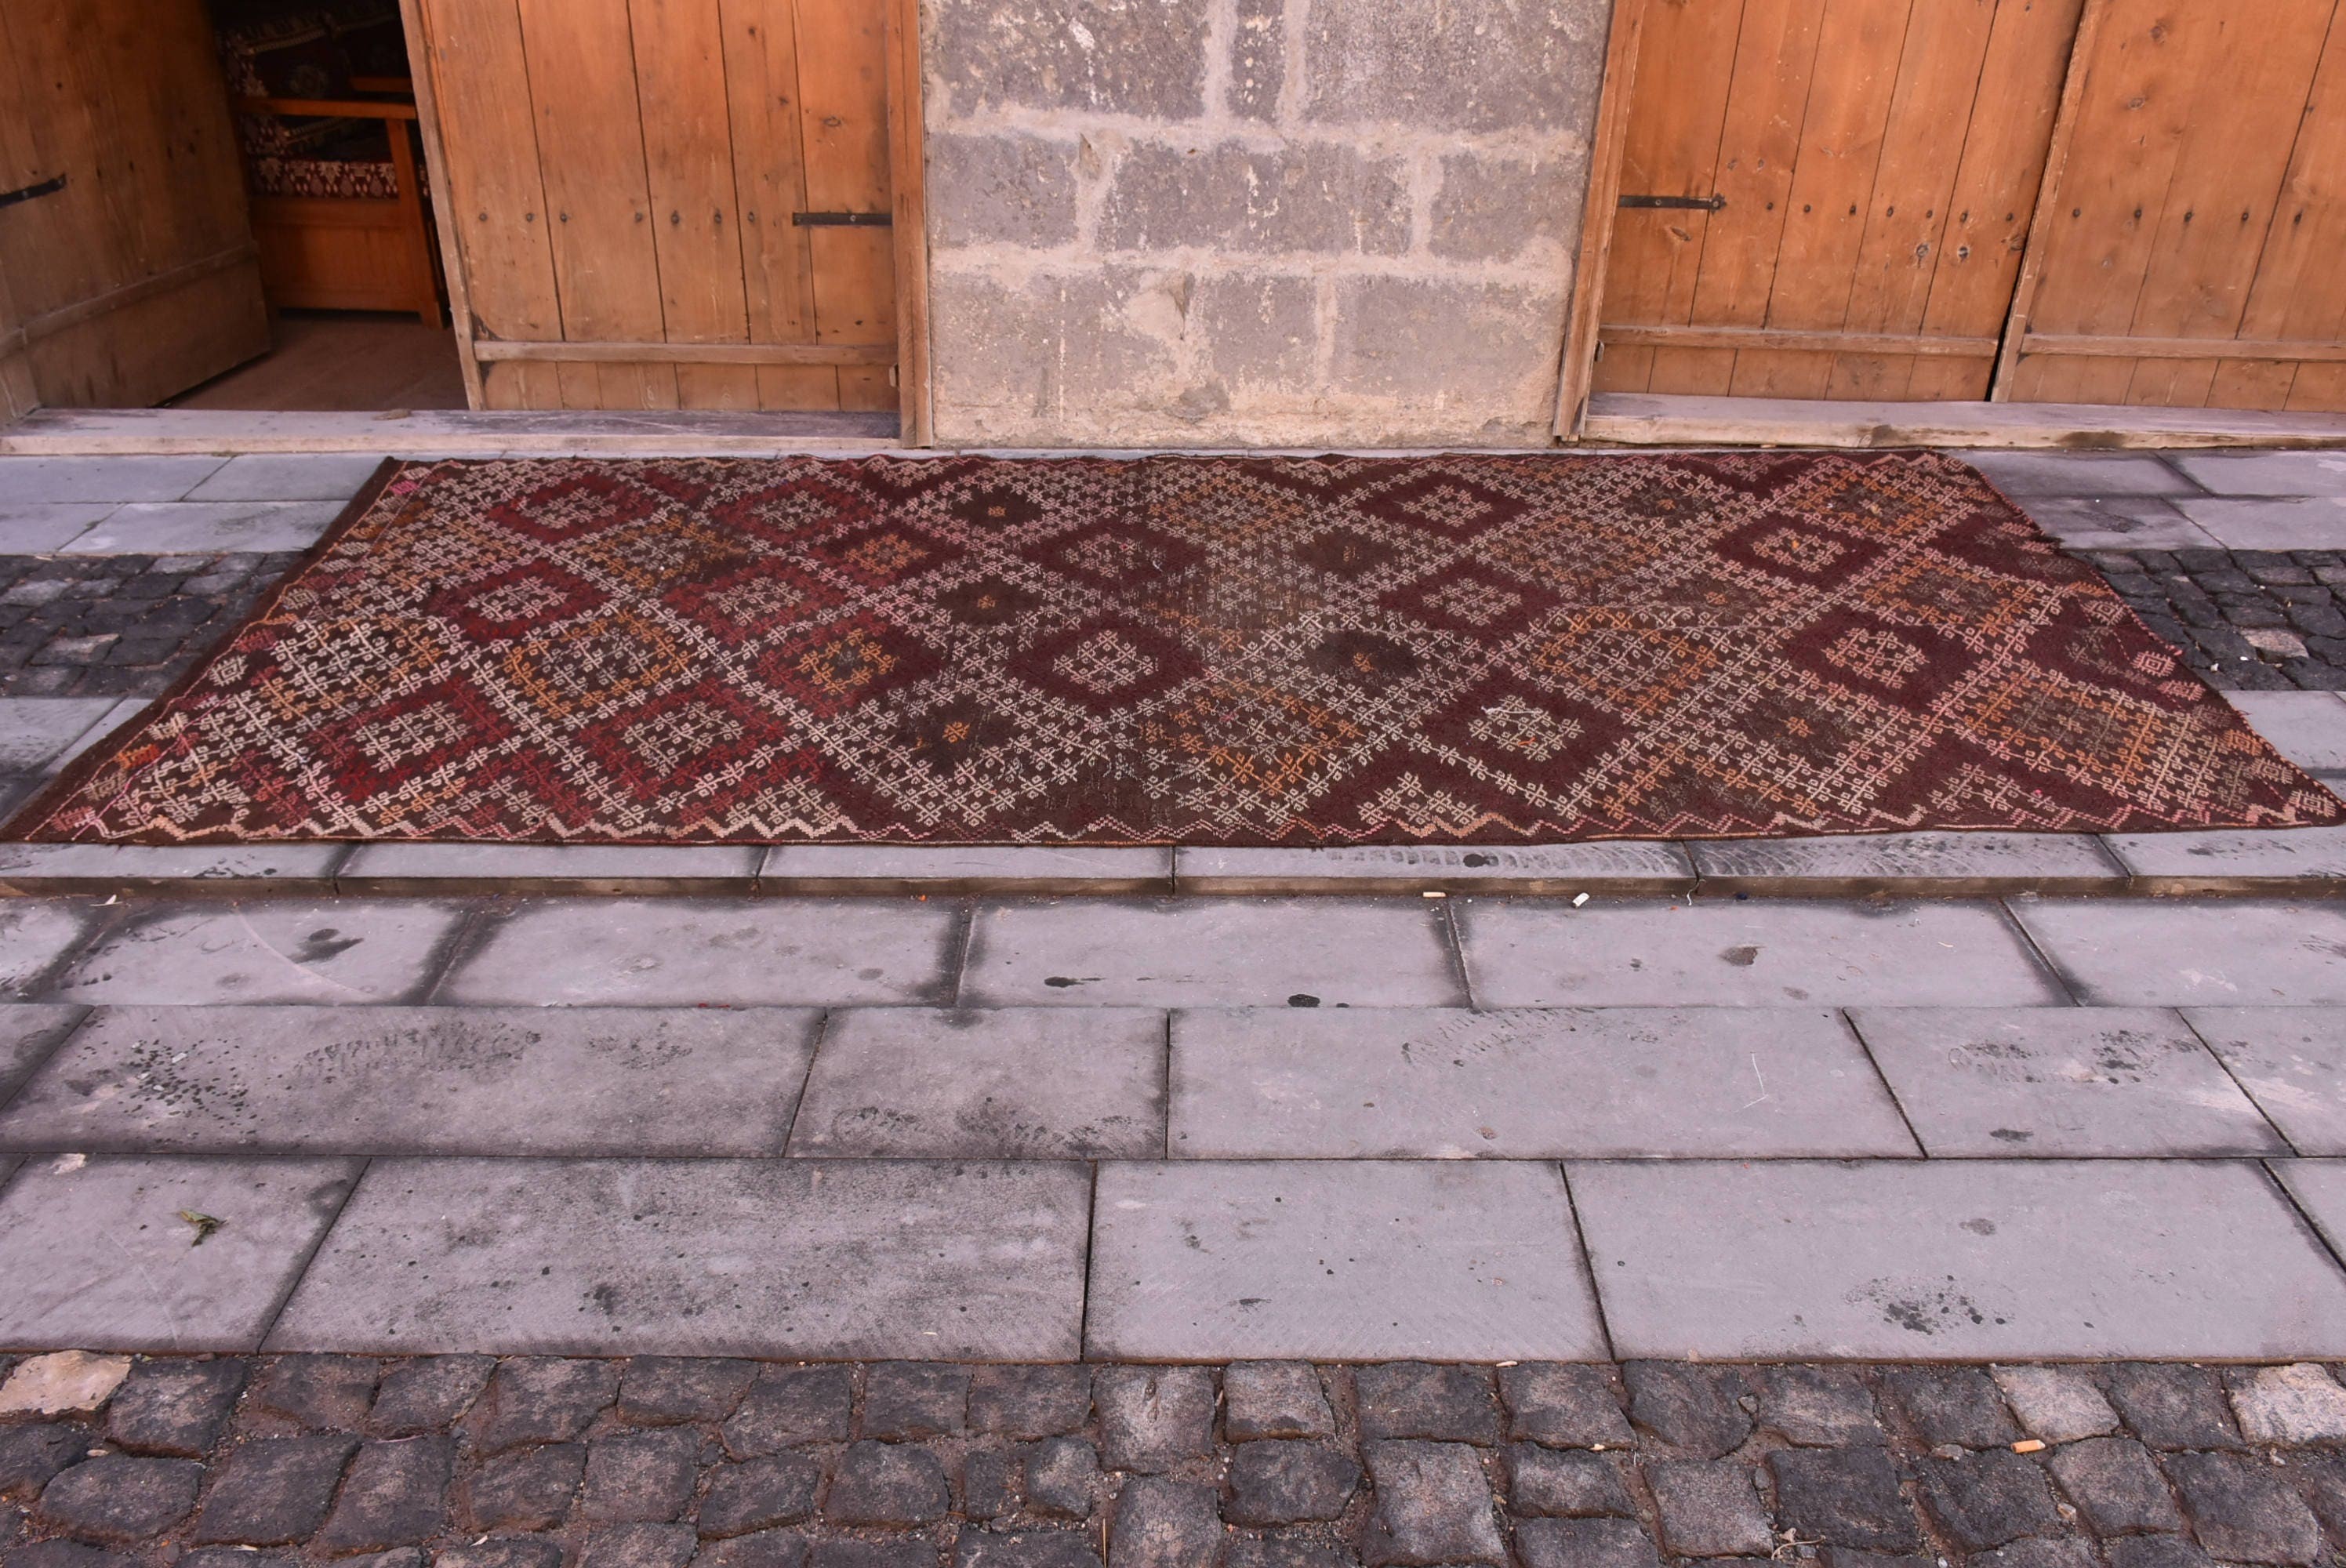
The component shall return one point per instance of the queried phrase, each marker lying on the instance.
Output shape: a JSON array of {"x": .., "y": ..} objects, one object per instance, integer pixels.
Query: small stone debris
[{"x": 65, "y": 1382}]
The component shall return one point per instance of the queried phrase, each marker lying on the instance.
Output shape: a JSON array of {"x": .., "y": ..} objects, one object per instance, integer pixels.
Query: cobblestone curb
[{"x": 654, "y": 1462}]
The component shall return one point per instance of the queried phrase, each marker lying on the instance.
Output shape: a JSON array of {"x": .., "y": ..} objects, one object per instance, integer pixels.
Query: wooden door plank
[
  {"x": 438, "y": 176},
  {"x": 1775, "y": 57},
  {"x": 908, "y": 182},
  {"x": 1993, "y": 203},
  {"x": 495, "y": 197},
  {"x": 1858, "y": 48},
  {"x": 20, "y": 166},
  {"x": 590, "y": 142},
  {"x": 844, "y": 126},
  {"x": 689, "y": 153},
  {"x": 2300, "y": 291},
  {"x": 761, "y": 76},
  {"x": 1670, "y": 148},
  {"x": 1939, "y": 82},
  {"x": 2229, "y": 172},
  {"x": 1597, "y": 213},
  {"x": 1649, "y": 420},
  {"x": 2317, "y": 309},
  {"x": 2145, "y": 65},
  {"x": 141, "y": 266}
]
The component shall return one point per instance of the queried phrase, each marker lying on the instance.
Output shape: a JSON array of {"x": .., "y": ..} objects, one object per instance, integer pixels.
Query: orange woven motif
[{"x": 1207, "y": 651}]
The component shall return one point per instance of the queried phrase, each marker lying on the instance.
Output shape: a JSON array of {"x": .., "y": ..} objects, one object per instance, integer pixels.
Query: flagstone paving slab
[
  {"x": 287, "y": 476},
  {"x": 2278, "y": 522},
  {"x": 205, "y": 527},
  {"x": 1361, "y": 1260},
  {"x": 2228, "y": 861},
  {"x": 2067, "y": 473},
  {"x": 116, "y": 479},
  {"x": 1917, "y": 865},
  {"x": 219, "y": 868},
  {"x": 33, "y": 936},
  {"x": 2045, "y": 1082},
  {"x": 2320, "y": 1186},
  {"x": 28, "y": 1031},
  {"x": 1041, "y": 1083},
  {"x": 1624, "y": 867},
  {"x": 808, "y": 954},
  {"x": 2308, "y": 727},
  {"x": 646, "y": 869},
  {"x": 411, "y": 1080},
  {"x": 37, "y": 528},
  {"x": 2115, "y": 523},
  {"x": 2292, "y": 1063},
  {"x": 810, "y": 1258},
  {"x": 36, "y": 730},
  {"x": 878, "y": 869},
  {"x": 2160, "y": 952},
  {"x": 1312, "y": 952},
  {"x": 350, "y": 950},
  {"x": 1747, "y": 954},
  {"x": 2266, "y": 473},
  {"x": 1957, "y": 1260},
  {"x": 123, "y": 711},
  {"x": 95, "y": 1253},
  {"x": 1631, "y": 1082}
]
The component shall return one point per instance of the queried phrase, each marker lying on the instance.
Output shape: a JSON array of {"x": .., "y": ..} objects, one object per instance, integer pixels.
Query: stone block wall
[{"x": 1254, "y": 222}]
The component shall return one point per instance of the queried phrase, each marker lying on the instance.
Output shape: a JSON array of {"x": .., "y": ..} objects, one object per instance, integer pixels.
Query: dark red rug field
[{"x": 1207, "y": 651}]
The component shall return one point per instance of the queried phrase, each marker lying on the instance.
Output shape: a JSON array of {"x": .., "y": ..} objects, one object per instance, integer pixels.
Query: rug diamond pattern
[{"x": 1197, "y": 650}]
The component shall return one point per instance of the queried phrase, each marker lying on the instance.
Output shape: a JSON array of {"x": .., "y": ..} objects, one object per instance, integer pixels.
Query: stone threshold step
[{"x": 2297, "y": 862}]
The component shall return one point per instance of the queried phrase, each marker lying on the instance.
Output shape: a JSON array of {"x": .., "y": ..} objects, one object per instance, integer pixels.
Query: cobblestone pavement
[
  {"x": 2249, "y": 620},
  {"x": 662, "y": 1462},
  {"x": 119, "y": 626}
]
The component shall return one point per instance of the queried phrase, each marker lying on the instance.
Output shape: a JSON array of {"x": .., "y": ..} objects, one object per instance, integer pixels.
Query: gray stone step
[{"x": 2300, "y": 863}]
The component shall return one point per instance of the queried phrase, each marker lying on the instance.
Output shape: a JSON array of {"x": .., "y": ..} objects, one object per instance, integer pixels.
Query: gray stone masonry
[
  {"x": 1275, "y": 223},
  {"x": 537, "y": 1462}
]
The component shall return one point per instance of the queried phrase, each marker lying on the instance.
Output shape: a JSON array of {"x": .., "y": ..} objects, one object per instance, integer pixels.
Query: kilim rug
[{"x": 1209, "y": 651}]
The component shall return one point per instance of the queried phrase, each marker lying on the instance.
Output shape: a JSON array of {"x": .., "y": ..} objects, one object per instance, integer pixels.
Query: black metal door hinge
[
  {"x": 1702, "y": 203},
  {"x": 842, "y": 220},
  {"x": 30, "y": 192}
]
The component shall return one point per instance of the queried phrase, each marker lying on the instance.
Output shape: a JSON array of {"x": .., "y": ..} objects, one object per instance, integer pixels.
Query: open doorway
[
  {"x": 665, "y": 205},
  {"x": 216, "y": 204},
  {"x": 323, "y": 95}
]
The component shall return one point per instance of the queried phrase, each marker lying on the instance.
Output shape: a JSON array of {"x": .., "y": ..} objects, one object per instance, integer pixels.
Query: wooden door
[
  {"x": 668, "y": 203},
  {"x": 1828, "y": 199},
  {"x": 2189, "y": 253},
  {"x": 131, "y": 275}
]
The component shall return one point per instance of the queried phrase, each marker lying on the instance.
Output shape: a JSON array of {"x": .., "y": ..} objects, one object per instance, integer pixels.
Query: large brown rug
[{"x": 1207, "y": 651}]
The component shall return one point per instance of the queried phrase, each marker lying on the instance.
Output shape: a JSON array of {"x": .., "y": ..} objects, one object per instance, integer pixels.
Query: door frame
[
  {"x": 901, "y": 21},
  {"x": 1597, "y": 211}
]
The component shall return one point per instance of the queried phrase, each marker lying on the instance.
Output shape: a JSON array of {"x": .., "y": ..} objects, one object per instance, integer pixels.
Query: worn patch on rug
[{"x": 1226, "y": 651}]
